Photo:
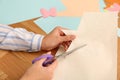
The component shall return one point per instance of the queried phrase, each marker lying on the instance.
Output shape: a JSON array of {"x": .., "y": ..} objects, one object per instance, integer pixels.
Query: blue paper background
[
  {"x": 48, "y": 24},
  {"x": 12, "y": 11},
  {"x": 102, "y": 5}
]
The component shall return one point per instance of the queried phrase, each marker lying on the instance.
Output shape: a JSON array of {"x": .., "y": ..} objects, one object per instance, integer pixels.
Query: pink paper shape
[
  {"x": 114, "y": 7},
  {"x": 51, "y": 12}
]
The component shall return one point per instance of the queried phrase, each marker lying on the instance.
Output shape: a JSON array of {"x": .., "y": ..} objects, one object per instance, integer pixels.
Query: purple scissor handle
[{"x": 48, "y": 61}]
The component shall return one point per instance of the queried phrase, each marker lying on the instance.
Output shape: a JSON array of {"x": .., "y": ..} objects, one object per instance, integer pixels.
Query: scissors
[{"x": 50, "y": 58}]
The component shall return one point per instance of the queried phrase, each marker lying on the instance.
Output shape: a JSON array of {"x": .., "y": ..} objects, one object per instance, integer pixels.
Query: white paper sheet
[{"x": 97, "y": 60}]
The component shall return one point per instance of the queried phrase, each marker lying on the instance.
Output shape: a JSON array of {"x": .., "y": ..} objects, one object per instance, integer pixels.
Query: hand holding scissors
[{"x": 50, "y": 58}]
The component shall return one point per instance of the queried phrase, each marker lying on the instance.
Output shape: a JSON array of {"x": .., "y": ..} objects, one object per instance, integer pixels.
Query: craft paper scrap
[
  {"x": 12, "y": 11},
  {"x": 118, "y": 32},
  {"x": 114, "y": 7},
  {"x": 79, "y": 7},
  {"x": 48, "y": 24},
  {"x": 97, "y": 60}
]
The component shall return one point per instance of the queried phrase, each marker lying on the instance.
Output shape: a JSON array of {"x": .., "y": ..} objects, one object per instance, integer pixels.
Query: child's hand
[
  {"x": 38, "y": 72},
  {"x": 55, "y": 39}
]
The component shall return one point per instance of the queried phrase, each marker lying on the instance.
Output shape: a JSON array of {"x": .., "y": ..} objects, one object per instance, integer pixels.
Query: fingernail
[
  {"x": 48, "y": 52},
  {"x": 73, "y": 36}
]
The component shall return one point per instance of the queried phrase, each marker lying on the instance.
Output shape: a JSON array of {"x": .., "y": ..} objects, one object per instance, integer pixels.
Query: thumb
[
  {"x": 43, "y": 59},
  {"x": 67, "y": 38}
]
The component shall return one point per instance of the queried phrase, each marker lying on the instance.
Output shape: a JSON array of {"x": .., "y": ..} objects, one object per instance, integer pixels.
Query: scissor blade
[{"x": 71, "y": 51}]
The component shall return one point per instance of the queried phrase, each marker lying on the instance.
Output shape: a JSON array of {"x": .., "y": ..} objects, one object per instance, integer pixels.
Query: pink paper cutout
[
  {"x": 51, "y": 12},
  {"x": 114, "y": 7}
]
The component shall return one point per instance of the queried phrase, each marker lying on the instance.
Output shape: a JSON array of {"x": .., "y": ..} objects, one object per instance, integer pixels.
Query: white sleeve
[{"x": 19, "y": 39}]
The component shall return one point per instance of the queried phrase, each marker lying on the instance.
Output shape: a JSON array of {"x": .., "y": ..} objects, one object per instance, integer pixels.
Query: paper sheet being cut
[{"x": 97, "y": 60}]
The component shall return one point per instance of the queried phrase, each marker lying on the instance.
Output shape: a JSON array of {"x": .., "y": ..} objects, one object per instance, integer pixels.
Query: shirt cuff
[{"x": 36, "y": 43}]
